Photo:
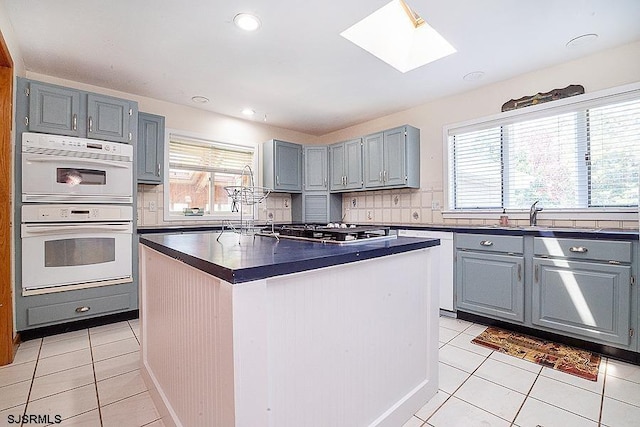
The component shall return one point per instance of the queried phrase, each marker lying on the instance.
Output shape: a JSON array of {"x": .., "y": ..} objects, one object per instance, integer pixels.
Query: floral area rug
[{"x": 574, "y": 361}]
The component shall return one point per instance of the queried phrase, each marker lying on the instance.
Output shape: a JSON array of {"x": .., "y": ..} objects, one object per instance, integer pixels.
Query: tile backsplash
[
  {"x": 392, "y": 207},
  {"x": 150, "y": 209}
]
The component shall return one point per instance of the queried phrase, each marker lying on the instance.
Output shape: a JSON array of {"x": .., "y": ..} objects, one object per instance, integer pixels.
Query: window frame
[
  {"x": 199, "y": 138},
  {"x": 584, "y": 101}
]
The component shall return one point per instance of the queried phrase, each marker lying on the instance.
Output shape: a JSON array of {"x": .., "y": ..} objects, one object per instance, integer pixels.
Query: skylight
[{"x": 399, "y": 36}]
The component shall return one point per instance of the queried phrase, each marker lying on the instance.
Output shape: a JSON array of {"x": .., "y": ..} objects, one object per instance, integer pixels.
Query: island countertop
[{"x": 263, "y": 257}]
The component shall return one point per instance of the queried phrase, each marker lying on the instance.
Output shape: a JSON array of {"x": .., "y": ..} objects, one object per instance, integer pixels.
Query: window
[
  {"x": 584, "y": 155},
  {"x": 199, "y": 171}
]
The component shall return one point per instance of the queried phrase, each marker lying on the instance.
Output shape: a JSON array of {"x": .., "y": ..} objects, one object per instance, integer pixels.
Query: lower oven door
[{"x": 75, "y": 253}]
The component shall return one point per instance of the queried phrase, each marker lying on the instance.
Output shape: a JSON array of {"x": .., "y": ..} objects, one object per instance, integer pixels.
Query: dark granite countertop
[
  {"x": 575, "y": 233},
  {"x": 264, "y": 257}
]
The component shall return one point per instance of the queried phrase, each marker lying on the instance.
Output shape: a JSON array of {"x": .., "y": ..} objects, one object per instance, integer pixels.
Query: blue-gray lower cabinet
[
  {"x": 585, "y": 299},
  {"x": 491, "y": 284}
]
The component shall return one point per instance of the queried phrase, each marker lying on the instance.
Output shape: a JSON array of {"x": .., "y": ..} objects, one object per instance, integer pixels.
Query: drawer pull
[
  {"x": 519, "y": 272},
  {"x": 83, "y": 309},
  {"x": 486, "y": 243},
  {"x": 578, "y": 249}
]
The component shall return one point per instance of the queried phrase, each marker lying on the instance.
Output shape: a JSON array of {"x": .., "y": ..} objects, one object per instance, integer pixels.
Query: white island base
[{"x": 344, "y": 346}]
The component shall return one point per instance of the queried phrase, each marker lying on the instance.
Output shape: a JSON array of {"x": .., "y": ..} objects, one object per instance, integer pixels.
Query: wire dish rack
[{"x": 244, "y": 198}]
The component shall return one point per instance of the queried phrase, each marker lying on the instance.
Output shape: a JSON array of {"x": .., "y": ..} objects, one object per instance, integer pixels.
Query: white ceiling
[{"x": 296, "y": 69}]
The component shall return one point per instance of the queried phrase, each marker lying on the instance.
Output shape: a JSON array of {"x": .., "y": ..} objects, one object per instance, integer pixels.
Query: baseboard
[
  {"x": 61, "y": 328},
  {"x": 607, "y": 350}
]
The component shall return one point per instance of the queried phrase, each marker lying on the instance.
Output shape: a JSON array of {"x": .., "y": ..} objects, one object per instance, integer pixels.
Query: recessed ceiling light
[
  {"x": 473, "y": 76},
  {"x": 582, "y": 40},
  {"x": 248, "y": 112},
  {"x": 200, "y": 99},
  {"x": 399, "y": 36},
  {"x": 246, "y": 21}
]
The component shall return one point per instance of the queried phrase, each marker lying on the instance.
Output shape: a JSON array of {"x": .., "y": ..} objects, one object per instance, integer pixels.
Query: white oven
[
  {"x": 63, "y": 169},
  {"x": 81, "y": 245}
]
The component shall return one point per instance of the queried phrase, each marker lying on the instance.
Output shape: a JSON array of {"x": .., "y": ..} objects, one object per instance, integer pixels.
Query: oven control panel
[
  {"x": 75, "y": 213},
  {"x": 32, "y": 140}
]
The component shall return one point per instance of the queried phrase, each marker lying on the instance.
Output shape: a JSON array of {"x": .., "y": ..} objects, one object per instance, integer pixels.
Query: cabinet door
[
  {"x": 316, "y": 208},
  {"x": 288, "y": 166},
  {"x": 353, "y": 164},
  {"x": 394, "y": 154},
  {"x": 150, "y": 148},
  {"x": 315, "y": 168},
  {"x": 54, "y": 110},
  {"x": 108, "y": 118},
  {"x": 336, "y": 162},
  {"x": 491, "y": 284},
  {"x": 585, "y": 299},
  {"x": 373, "y": 160}
]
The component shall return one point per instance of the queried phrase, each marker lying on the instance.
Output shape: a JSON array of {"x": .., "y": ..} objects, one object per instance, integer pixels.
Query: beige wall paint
[{"x": 604, "y": 70}]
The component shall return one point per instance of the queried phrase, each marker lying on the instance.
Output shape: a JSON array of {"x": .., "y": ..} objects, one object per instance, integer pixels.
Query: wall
[
  {"x": 204, "y": 124},
  {"x": 594, "y": 72}
]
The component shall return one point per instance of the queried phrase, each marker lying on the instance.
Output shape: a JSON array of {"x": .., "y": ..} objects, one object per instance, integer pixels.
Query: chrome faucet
[{"x": 533, "y": 214}]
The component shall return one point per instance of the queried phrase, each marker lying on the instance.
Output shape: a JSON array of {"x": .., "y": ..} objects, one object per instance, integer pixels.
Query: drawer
[
  {"x": 599, "y": 250},
  {"x": 489, "y": 243},
  {"x": 81, "y": 309}
]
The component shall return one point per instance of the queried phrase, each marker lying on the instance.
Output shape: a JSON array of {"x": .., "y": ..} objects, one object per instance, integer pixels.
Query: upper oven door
[{"x": 65, "y": 178}]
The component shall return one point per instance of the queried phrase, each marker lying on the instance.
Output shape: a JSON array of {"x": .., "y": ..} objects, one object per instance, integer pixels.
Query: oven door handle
[
  {"x": 58, "y": 159},
  {"x": 56, "y": 229}
]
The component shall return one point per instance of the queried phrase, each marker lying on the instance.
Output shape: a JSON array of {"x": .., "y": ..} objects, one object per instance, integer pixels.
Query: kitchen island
[{"x": 288, "y": 333}]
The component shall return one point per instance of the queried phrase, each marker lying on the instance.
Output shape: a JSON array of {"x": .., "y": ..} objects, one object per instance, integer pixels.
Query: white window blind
[
  {"x": 588, "y": 157},
  {"x": 196, "y": 155}
]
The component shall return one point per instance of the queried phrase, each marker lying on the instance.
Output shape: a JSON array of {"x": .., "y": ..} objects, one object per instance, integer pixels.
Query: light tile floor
[
  {"x": 480, "y": 387},
  {"x": 91, "y": 378}
]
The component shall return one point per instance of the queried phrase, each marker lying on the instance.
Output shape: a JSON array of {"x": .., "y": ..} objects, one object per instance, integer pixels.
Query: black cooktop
[{"x": 340, "y": 232}]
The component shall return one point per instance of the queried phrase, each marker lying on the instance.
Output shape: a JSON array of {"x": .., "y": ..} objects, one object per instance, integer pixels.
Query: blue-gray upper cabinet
[
  {"x": 392, "y": 158},
  {"x": 150, "y": 148},
  {"x": 282, "y": 166},
  {"x": 66, "y": 111},
  {"x": 315, "y": 168},
  {"x": 345, "y": 165},
  {"x": 109, "y": 118},
  {"x": 54, "y": 109}
]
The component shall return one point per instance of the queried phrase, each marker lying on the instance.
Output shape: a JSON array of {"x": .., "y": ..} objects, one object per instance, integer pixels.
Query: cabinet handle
[
  {"x": 519, "y": 272},
  {"x": 75, "y": 122},
  {"x": 486, "y": 243},
  {"x": 536, "y": 272},
  {"x": 380, "y": 176},
  {"x": 158, "y": 169},
  {"x": 578, "y": 249},
  {"x": 344, "y": 180},
  {"x": 277, "y": 180},
  {"x": 90, "y": 124},
  {"x": 83, "y": 309},
  {"x": 325, "y": 183},
  {"x": 384, "y": 176}
]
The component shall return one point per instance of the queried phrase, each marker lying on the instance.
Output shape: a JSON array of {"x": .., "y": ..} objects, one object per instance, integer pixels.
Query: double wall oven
[{"x": 77, "y": 213}]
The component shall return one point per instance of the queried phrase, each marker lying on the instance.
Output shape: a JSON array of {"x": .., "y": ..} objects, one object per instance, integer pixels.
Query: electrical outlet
[
  {"x": 152, "y": 206},
  {"x": 369, "y": 215},
  {"x": 435, "y": 205}
]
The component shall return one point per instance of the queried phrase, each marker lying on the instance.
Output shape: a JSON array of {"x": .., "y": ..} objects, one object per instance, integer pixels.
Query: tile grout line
[
  {"x": 33, "y": 377},
  {"x": 95, "y": 381},
  {"x": 604, "y": 384},
  {"x": 526, "y": 397}
]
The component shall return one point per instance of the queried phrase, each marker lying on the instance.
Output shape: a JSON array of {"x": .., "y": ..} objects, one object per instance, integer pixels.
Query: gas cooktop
[{"x": 334, "y": 233}]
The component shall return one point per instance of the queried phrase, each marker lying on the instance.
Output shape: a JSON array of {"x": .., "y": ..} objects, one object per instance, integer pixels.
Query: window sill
[{"x": 547, "y": 214}]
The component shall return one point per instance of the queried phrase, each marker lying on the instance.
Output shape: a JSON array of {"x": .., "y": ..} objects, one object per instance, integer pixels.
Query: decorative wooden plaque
[{"x": 540, "y": 97}]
